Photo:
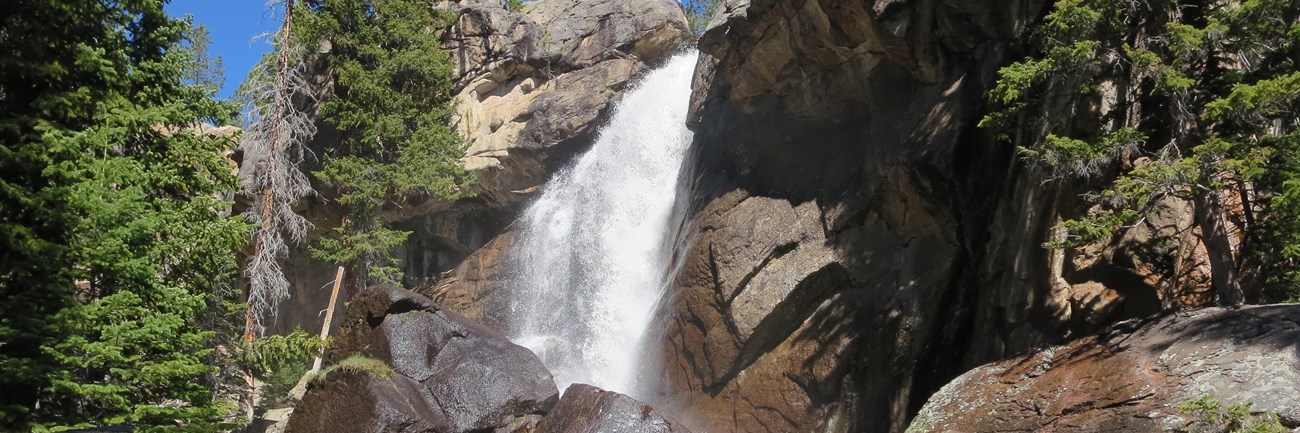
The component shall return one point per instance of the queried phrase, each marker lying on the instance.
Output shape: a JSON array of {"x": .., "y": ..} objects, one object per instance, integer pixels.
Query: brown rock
[
  {"x": 1132, "y": 380},
  {"x": 474, "y": 288}
]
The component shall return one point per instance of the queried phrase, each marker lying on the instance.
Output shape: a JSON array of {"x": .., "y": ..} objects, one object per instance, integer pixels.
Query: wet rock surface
[
  {"x": 1133, "y": 377},
  {"x": 348, "y": 402},
  {"x": 450, "y": 373},
  {"x": 588, "y": 409}
]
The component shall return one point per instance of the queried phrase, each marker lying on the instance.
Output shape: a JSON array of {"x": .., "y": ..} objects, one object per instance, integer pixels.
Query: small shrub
[
  {"x": 361, "y": 364},
  {"x": 1212, "y": 417}
]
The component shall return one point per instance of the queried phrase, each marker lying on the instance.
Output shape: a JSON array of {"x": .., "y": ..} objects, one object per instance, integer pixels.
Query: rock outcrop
[
  {"x": 1133, "y": 380},
  {"x": 448, "y": 374},
  {"x": 537, "y": 83},
  {"x": 587, "y": 409},
  {"x": 475, "y": 288},
  {"x": 858, "y": 241}
]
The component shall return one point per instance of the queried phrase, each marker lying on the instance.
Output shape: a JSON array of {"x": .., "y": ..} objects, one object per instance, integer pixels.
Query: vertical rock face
[
  {"x": 858, "y": 240},
  {"x": 837, "y": 210},
  {"x": 537, "y": 83}
]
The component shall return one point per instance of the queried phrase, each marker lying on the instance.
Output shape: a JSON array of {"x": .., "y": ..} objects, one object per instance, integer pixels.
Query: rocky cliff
[
  {"x": 858, "y": 241},
  {"x": 533, "y": 87}
]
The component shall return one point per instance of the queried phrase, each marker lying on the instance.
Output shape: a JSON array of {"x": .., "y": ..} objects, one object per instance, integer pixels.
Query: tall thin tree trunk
[
  {"x": 267, "y": 212},
  {"x": 1218, "y": 246},
  {"x": 278, "y": 111}
]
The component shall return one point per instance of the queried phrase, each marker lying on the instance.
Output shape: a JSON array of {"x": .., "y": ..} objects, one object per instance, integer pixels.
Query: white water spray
[{"x": 591, "y": 255}]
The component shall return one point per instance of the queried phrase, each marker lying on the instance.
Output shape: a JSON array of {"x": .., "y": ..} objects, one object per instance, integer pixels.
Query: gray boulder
[
  {"x": 355, "y": 401},
  {"x": 467, "y": 377},
  {"x": 588, "y": 409}
]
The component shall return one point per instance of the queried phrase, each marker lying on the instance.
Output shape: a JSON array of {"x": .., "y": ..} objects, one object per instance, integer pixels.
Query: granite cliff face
[{"x": 858, "y": 240}]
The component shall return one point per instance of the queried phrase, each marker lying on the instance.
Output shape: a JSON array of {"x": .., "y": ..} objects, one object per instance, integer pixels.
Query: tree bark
[{"x": 1218, "y": 246}]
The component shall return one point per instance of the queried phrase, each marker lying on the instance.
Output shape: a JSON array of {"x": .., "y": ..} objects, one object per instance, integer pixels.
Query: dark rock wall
[{"x": 857, "y": 240}]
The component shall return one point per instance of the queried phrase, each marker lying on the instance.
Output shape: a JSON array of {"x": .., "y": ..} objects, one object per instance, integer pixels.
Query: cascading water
[{"x": 592, "y": 253}]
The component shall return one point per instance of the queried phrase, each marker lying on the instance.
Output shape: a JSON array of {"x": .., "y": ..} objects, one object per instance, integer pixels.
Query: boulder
[
  {"x": 483, "y": 381},
  {"x": 473, "y": 377},
  {"x": 588, "y": 409},
  {"x": 357, "y": 401},
  {"x": 1133, "y": 377}
]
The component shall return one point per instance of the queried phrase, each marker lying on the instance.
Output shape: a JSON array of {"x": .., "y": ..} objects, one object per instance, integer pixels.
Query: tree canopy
[
  {"x": 116, "y": 239},
  {"x": 391, "y": 101},
  {"x": 1193, "y": 100}
]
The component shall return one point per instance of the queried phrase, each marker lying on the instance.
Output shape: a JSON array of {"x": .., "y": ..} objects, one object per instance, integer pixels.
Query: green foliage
[
  {"x": 392, "y": 103},
  {"x": 271, "y": 353},
  {"x": 1212, "y": 417},
  {"x": 114, "y": 241},
  {"x": 1193, "y": 100},
  {"x": 361, "y": 364},
  {"x": 279, "y": 361},
  {"x": 698, "y": 13},
  {"x": 515, "y": 5}
]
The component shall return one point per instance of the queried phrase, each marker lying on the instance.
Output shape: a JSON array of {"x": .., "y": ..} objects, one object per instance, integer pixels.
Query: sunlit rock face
[
  {"x": 1133, "y": 378},
  {"x": 536, "y": 83}
]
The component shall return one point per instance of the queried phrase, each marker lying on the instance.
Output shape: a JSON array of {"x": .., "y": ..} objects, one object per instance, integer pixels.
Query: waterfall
[{"x": 591, "y": 254}]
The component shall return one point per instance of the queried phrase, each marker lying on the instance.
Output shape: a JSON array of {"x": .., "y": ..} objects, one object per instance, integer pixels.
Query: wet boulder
[
  {"x": 485, "y": 382},
  {"x": 588, "y": 409},
  {"x": 472, "y": 377},
  {"x": 347, "y": 401}
]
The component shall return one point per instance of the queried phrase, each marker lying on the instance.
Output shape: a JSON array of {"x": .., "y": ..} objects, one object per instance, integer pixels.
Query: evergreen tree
[
  {"x": 391, "y": 103},
  {"x": 113, "y": 237},
  {"x": 698, "y": 13},
  {"x": 1188, "y": 99}
]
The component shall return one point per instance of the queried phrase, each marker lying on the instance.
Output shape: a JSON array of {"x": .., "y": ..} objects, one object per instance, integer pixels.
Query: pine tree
[
  {"x": 392, "y": 101},
  {"x": 114, "y": 239},
  {"x": 1188, "y": 99}
]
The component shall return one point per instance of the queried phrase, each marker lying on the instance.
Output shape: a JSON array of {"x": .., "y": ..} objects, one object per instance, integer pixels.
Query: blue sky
[{"x": 233, "y": 25}]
